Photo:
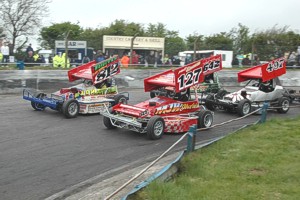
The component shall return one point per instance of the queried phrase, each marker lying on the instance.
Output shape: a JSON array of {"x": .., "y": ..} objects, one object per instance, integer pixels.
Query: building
[{"x": 148, "y": 48}]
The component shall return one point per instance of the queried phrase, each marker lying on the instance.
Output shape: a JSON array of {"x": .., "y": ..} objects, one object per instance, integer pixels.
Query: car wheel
[
  {"x": 244, "y": 107},
  {"x": 70, "y": 108},
  {"x": 38, "y": 106},
  {"x": 107, "y": 122},
  {"x": 209, "y": 102},
  {"x": 284, "y": 104},
  {"x": 155, "y": 127},
  {"x": 205, "y": 119},
  {"x": 120, "y": 98},
  {"x": 221, "y": 93}
]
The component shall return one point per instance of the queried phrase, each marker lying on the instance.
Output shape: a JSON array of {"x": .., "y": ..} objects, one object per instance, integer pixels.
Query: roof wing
[
  {"x": 96, "y": 72},
  {"x": 265, "y": 72},
  {"x": 194, "y": 73},
  {"x": 184, "y": 77}
]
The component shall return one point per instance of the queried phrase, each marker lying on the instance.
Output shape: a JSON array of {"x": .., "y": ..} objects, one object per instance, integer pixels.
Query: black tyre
[
  {"x": 155, "y": 127},
  {"x": 38, "y": 106},
  {"x": 205, "y": 119},
  {"x": 284, "y": 103},
  {"x": 244, "y": 107},
  {"x": 120, "y": 98},
  {"x": 107, "y": 122},
  {"x": 209, "y": 102},
  {"x": 221, "y": 93},
  {"x": 70, "y": 108}
]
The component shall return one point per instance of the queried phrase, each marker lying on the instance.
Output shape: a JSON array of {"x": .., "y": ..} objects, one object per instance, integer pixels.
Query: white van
[{"x": 227, "y": 56}]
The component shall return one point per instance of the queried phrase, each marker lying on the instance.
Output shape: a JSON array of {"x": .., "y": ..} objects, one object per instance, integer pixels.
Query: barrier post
[
  {"x": 263, "y": 116},
  {"x": 191, "y": 138}
]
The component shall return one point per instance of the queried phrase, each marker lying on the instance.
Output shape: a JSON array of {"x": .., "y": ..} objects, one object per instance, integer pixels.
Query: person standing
[
  {"x": 29, "y": 48},
  {"x": 5, "y": 53},
  {"x": 125, "y": 60}
]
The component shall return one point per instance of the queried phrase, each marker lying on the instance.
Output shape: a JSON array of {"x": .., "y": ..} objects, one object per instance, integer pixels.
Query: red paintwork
[
  {"x": 171, "y": 78},
  {"x": 160, "y": 105},
  {"x": 89, "y": 71},
  {"x": 265, "y": 72}
]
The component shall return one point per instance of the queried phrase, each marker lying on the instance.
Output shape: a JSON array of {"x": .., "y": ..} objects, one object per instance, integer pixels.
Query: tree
[
  {"x": 274, "y": 42},
  {"x": 58, "y": 32},
  {"x": 221, "y": 41},
  {"x": 241, "y": 39},
  {"x": 22, "y": 17}
]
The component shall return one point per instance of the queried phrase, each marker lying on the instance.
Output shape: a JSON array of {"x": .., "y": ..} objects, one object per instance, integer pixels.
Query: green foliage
[
  {"x": 262, "y": 162},
  {"x": 221, "y": 41},
  {"x": 59, "y": 32}
]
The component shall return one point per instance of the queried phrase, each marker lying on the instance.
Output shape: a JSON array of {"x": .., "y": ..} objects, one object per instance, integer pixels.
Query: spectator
[
  {"x": 5, "y": 53},
  {"x": 85, "y": 60},
  {"x": 29, "y": 60},
  {"x": 135, "y": 58},
  {"x": 1, "y": 57},
  {"x": 298, "y": 52},
  {"x": 100, "y": 57},
  {"x": 246, "y": 61},
  {"x": 188, "y": 59},
  {"x": 125, "y": 60},
  {"x": 240, "y": 59},
  {"x": 29, "y": 48},
  {"x": 292, "y": 59}
]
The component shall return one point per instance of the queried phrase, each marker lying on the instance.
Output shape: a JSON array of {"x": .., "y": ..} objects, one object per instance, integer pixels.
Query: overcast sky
[{"x": 203, "y": 17}]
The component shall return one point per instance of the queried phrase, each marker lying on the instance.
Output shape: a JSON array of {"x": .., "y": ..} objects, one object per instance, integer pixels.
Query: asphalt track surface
[{"x": 42, "y": 153}]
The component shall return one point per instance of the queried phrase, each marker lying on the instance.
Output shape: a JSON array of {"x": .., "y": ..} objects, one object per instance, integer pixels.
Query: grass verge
[{"x": 260, "y": 162}]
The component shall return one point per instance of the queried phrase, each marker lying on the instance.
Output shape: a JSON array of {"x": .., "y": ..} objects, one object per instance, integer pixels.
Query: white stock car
[{"x": 263, "y": 86}]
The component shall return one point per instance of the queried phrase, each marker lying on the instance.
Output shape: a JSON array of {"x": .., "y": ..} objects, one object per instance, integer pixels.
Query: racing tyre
[
  {"x": 107, "y": 122},
  {"x": 38, "y": 106},
  {"x": 120, "y": 98},
  {"x": 244, "y": 107},
  {"x": 205, "y": 119},
  {"x": 221, "y": 93},
  {"x": 70, "y": 108},
  {"x": 155, "y": 127},
  {"x": 209, "y": 102},
  {"x": 284, "y": 103}
]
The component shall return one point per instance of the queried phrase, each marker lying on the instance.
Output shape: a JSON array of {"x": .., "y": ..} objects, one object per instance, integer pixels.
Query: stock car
[
  {"x": 96, "y": 90},
  {"x": 171, "y": 110},
  {"x": 263, "y": 86}
]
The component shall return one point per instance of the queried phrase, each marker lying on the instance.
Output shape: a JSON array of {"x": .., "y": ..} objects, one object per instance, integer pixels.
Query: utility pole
[
  {"x": 66, "y": 48},
  {"x": 195, "y": 48},
  {"x": 131, "y": 47}
]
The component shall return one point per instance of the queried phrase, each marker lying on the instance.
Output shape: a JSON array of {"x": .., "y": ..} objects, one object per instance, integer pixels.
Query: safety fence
[{"x": 191, "y": 146}]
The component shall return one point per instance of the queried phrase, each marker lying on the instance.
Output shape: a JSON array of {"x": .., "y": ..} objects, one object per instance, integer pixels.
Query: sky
[{"x": 201, "y": 17}]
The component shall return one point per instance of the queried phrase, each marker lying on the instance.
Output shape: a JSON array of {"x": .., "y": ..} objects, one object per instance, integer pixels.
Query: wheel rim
[
  {"x": 39, "y": 106},
  {"x": 285, "y": 105},
  {"x": 123, "y": 101},
  {"x": 73, "y": 108},
  {"x": 246, "y": 108},
  {"x": 158, "y": 128},
  {"x": 207, "y": 120}
]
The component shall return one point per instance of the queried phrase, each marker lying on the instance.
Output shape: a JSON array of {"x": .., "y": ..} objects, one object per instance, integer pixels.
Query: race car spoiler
[
  {"x": 184, "y": 77},
  {"x": 267, "y": 71},
  {"x": 96, "y": 72}
]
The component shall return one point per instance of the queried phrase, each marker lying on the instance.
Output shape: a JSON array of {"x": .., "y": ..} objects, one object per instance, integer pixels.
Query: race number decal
[
  {"x": 276, "y": 65},
  {"x": 273, "y": 69},
  {"x": 107, "y": 72},
  {"x": 212, "y": 64},
  {"x": 189, "y": 79}
]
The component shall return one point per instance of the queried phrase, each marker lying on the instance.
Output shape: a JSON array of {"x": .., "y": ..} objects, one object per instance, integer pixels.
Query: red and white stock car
[{"x": 172, "y": 110}]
